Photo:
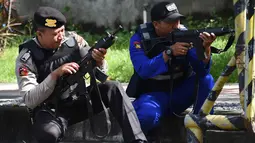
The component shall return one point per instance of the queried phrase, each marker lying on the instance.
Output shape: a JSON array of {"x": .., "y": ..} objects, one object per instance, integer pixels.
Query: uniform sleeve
[
  {"x": 33, "y": 93},
  {"x": 84, "y": 48},
  {"x": 198, "y": 66},
  {"x": 145, "y": 67}
]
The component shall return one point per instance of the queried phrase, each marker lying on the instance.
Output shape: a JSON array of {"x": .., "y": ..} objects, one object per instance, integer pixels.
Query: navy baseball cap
[
  {"x": 165, "y": 11},
  {"x": 49, "y": 17}
]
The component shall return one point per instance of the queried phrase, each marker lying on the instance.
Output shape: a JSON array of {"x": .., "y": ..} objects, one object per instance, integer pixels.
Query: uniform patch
[
  {"x": 171, "y": 7},
  {"x": 23, "y": 71},
  {"x": 50, "y": 22},
  {"x": 25, "y": 56},
  {"x": 137, "y": 45}
]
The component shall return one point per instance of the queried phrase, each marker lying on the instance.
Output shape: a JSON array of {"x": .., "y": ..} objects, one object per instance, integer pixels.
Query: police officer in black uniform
[{"x": 52, "y": 53}]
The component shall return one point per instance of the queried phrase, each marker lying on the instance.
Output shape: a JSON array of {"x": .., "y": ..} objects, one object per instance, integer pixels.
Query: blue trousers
[{"x": 150, "y": 107}]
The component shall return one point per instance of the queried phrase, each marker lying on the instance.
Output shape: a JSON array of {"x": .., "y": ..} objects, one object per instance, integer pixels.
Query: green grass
[
  {"x": 7, "y": 64},
  {"x": 8, "y": 58},
  {"x": 120, "y": 66},
  {"x": 220, "y": 60}
]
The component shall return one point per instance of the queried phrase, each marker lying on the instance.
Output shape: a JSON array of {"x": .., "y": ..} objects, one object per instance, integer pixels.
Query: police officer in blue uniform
[
  {"x": 44, "y": 59},
  {"x": 165, "y": 75}
]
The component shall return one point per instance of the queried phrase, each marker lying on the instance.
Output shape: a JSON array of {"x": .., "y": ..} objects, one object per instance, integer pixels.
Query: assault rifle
[
  {"x": 192, "y": 37},
  {"x": 86, "y": 64}
]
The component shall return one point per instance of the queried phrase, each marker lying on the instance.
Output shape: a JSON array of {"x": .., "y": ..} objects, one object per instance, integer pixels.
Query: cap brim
[{"x": 173, "y": 17}]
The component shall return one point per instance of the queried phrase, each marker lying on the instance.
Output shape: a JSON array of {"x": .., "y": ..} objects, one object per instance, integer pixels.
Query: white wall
[{"x": 106, "y": 12}]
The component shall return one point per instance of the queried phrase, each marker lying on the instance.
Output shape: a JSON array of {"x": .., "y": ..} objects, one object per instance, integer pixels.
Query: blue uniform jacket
[{"x": 147, "y": 68}]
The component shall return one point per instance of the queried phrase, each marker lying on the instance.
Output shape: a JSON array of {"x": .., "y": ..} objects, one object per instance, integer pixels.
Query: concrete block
[
  {"x": 218, "y": 136},
  {"x": 15, "y": 123}
]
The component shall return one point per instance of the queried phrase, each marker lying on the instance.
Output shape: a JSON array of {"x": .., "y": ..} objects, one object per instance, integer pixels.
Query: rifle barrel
[{"x": 196, "y": 32}]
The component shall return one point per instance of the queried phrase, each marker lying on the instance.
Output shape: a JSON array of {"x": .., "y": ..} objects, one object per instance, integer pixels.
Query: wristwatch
[{"x": 168, "y": 52}]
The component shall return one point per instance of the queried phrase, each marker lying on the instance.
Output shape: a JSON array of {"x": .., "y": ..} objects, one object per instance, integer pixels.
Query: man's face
[
  {"x": 51, "y": 38},
  {"x": 163, "y": 28}
]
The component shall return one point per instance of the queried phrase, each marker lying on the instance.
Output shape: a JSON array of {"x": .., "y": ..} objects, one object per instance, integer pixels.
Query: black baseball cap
[
  {"x": 49, "y": 17},
  {"x": 165, "y": 11}
]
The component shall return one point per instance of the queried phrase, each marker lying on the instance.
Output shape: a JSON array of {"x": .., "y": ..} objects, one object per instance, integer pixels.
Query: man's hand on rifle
[
  {"x": 99, "y": 55},
  {"x": 68, "y": 68},
  {"x": 207, "y": 41},
  {"x": 178, "y": 49}
]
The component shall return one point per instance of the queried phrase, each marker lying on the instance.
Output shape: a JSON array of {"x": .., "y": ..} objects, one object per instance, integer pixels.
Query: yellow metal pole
[
  {"x": 213, "y": 95},
  {"x": 193, "y": 122},
  {"x": 240, "y": 13},
  {"x": 249, "y": 80},
  {"x": 240, "y": 28},
  {"x": 197, "y": 124}
]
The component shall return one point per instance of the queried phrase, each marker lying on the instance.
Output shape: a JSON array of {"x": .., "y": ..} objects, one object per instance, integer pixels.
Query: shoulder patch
[
  {"x": 23, "y": 71},
  {"x": 25, "y": 56},
  {"x": 137, "y": 45}
]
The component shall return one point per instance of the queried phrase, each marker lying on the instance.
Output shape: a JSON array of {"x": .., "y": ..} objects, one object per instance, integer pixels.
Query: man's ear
[
  {"x": 155, "y": 24},
  {"x": 39, "y": 33}
]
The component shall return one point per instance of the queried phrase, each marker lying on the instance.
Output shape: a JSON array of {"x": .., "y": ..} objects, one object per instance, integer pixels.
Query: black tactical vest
[
  {"x": 178, "y": 71},
  {"x": 47, "y": 60}
]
